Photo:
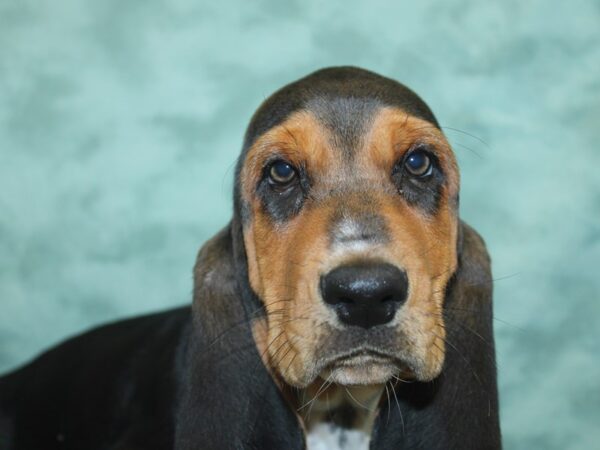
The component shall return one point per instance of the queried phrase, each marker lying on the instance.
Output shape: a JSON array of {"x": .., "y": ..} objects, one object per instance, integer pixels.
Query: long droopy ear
[
  {"x": 459, "y": 409},
  {"x": 227, "y": 400}
]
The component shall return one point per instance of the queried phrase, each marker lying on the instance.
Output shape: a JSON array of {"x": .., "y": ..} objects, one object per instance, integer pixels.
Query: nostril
[{"x": 365, "y": 294}]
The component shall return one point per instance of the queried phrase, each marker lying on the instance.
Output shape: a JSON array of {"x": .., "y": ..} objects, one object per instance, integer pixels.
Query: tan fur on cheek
[
  {"x": 253, "y": 267},
  {"x": 290, "y": 263},
  {"x": 281, "y": 256},
  {"x": 260, "y": 334},
  {"x": 426, "y": 250},
  {"x": 291, "y": 285},
  {"x": 269, "y": 349}
]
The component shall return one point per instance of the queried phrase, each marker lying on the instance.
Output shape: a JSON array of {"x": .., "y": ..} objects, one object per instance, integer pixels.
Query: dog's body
[
  {"x": 113, "y": 387},
  {"x": 345, "y": 291}
]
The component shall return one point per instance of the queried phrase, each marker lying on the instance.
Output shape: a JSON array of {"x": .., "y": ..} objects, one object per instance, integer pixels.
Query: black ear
[
  {"x": 459, "y": 409},
  {"x": 227, "y": 400}
]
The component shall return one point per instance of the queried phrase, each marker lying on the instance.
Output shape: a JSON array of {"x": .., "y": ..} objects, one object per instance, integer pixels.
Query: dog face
[{"x": 348, "y": 192}]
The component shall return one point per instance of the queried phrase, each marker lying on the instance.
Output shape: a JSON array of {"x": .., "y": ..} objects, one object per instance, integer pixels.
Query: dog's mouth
[{"x": 363, "y": 367}]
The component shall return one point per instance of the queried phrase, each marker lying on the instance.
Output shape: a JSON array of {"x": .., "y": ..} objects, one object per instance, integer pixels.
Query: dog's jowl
[{"x": 345, "y": 305}]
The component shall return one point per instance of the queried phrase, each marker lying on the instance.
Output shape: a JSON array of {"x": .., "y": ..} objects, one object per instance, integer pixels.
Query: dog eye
[
  {"x": 281, "y": 173},
  {"x": 418, "y": 163}
]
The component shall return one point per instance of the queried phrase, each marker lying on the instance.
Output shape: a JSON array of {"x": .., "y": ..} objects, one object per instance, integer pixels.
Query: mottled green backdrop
[{"x": 120, "y": 123}]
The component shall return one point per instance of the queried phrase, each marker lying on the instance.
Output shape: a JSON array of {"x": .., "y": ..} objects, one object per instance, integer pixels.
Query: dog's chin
[{"x": 360, "y": 370}]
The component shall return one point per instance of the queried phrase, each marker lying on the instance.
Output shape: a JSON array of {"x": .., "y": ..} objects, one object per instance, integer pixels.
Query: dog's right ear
[{"x": 227, "y": 398}]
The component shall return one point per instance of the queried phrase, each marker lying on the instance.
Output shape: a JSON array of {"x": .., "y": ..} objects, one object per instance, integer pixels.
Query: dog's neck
[
  {"x": 336, "y": 416},
  {"x": 352, "y": 407}
]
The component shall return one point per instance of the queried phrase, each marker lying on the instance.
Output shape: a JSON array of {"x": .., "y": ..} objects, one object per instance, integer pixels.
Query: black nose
[{"x": 365, "y": 294}]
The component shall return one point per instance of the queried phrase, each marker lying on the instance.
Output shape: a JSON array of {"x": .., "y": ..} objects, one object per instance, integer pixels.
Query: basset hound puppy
[{"x": 345, "y": 301}]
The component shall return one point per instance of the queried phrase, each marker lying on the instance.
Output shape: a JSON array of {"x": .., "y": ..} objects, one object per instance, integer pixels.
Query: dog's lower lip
[
  {"x": 361, "y": 367},
  {"x": 361, "y": 357}
]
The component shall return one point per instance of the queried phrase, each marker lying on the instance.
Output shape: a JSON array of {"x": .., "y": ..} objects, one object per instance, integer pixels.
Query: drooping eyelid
[
  {"x": 265, "y": 153},
  {"x": 403, "y": 152},
  {"x": 424, "y": 146},
  {"x": 291, "y": 157},
  {"x": 272, "y": 159}
]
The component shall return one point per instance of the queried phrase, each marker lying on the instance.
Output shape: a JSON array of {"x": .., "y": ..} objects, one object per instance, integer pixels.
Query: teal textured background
[{"x": 120, "y": 123}]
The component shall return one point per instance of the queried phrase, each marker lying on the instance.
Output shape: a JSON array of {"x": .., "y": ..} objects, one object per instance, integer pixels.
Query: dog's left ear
[
  {"x": 227, "y": 399},
  {"x": 459, "y": 409}
]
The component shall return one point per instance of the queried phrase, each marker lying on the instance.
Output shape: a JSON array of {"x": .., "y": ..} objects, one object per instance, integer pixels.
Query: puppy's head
[{"x": 347, "y": 192}]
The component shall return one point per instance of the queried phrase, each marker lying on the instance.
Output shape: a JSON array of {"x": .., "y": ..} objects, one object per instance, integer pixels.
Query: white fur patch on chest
[{"x": 327, "y": 436}]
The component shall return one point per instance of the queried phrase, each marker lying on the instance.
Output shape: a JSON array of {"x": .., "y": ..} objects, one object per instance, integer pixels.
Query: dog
[{"x": 344, "y": 296}]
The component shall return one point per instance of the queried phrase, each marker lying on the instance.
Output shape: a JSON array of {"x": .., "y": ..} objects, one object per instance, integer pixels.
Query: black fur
[
  {"x": 114, "y": 387},
  {"x": 193, "y": 379},
  {"x": 341, "y": 85}
]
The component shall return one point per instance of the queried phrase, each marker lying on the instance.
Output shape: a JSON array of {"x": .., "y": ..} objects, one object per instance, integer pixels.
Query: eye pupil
[
  {"x": 282, "y": 172},
  {"x": 418, "y": 163}
]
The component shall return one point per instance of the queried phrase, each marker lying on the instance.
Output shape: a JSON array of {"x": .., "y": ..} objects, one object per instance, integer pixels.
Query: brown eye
[
  {"x": 418, "y": 163},
  {"x": 281, "y": 173}
]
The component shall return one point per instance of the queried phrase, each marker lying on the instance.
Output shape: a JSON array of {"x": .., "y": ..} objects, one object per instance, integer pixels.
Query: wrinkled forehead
[
  {"x": 347, "y": 118},
  {"x": 344, "y": 99}
]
